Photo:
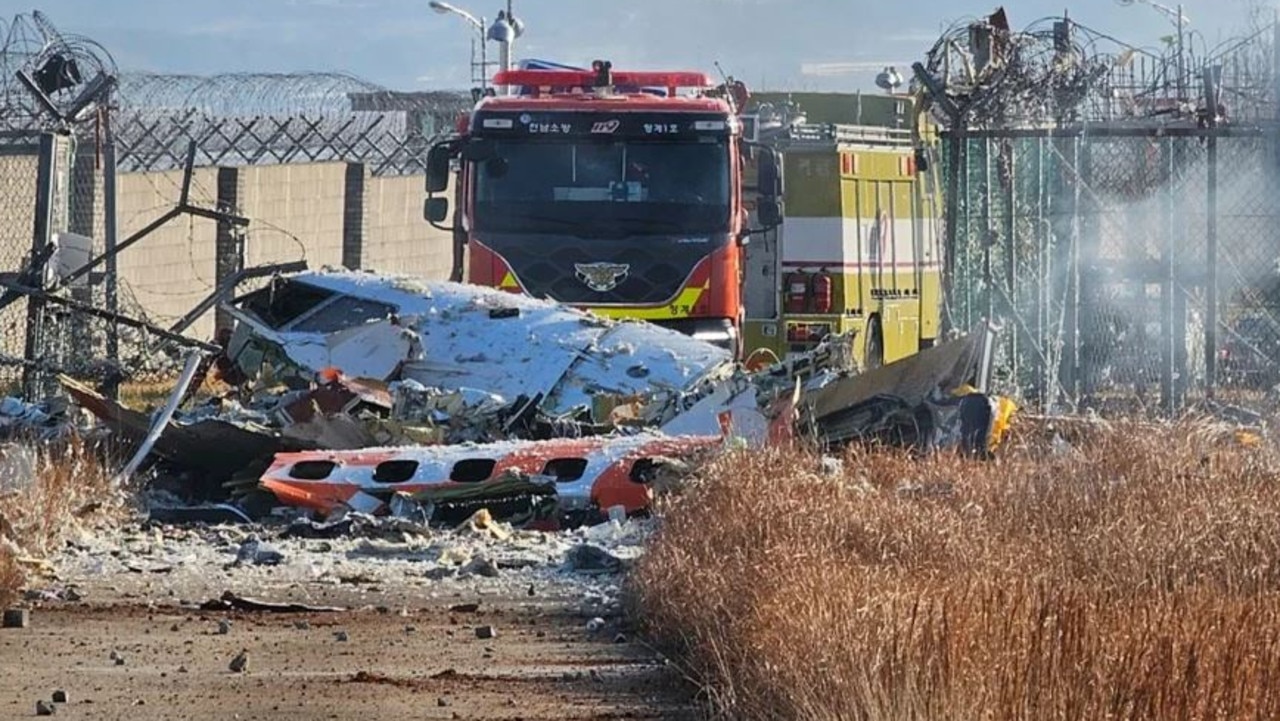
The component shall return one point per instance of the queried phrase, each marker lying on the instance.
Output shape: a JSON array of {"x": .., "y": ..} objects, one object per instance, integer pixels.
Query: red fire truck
[{"x": 616, "y": 191}]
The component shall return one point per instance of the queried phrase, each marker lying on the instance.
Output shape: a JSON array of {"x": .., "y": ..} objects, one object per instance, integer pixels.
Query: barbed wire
[
  {"x": 64, "y": 62},
  {"x": 264, "y": 119},
  {"x": 1057, "y": 71},
  {"x": 246, "y": 95}
]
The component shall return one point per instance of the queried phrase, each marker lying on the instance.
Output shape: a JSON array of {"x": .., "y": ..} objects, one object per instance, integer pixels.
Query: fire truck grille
[{"x": 649, "y": 271}]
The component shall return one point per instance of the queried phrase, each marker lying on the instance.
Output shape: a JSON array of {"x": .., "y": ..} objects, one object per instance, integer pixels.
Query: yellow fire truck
[{"x": 859, "y": 250}]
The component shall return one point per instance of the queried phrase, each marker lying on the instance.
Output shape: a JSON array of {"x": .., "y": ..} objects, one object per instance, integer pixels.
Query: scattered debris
[
  {"x": 232, "y": 602},
  {"x": 213, "y": 444},
  {"x": 15, "y": 618},
  {"x": 256, "y": 552},
  {"x": 49, "y": 420},
  {"x": 928, "y": 401},
  {"x": 830, "y": 466},
  {"x": 211, "y": 513},
  {"x": 586, "y": 558},
  {"x": 146, "y": 567},
  {"x": 240, "y": 664},
  {"x": 481, "y": 566}
]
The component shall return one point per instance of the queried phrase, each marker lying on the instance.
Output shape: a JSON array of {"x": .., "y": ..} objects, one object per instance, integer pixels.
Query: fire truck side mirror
[
  {"x": 770, "y": 173},
  {"x": 769, "y": 212},
  {"x": 435, "y": 210},
  {"x": 438, "y": 168}
]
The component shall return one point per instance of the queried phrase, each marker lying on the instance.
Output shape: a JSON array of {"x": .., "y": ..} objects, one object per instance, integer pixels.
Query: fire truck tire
[{"x": 875, "y": 343}]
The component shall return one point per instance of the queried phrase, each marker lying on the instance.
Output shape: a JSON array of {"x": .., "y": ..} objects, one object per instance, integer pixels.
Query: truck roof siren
[{"x": 604, "y": 73}]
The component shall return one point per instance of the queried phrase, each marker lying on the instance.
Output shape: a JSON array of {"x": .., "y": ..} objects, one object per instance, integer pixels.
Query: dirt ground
[{"x": 411, "y": 651}]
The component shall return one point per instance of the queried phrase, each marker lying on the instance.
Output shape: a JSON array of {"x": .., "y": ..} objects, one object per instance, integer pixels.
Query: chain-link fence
[
  {"x": 267, "y": 119},
  {"x": 19, "y": 169},
  {"x": 1134, "y": 267}
]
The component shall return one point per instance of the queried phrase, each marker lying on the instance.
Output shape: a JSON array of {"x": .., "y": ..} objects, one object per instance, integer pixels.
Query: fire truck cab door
[{"x": 760, "y": 281}]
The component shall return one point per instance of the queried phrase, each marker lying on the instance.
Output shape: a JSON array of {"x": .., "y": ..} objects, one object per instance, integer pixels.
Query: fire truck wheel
[{"x": 875, "y": 343}]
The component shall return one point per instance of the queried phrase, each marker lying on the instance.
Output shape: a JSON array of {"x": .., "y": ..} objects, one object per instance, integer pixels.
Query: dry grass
[
  {"x": 1135, "y": 577},
  {"x": 72, "y": 487},
  {"x": 11, "y": 576}
]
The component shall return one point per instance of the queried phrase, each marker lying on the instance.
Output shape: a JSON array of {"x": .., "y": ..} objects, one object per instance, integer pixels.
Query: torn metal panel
[
  {"x": 336, "y": 394},
  {"x": 912, "y": 379},
  {"x": 456, "y": 337},
  {"x": 161, "y": 421},
  {"x": 215, "y": 447},
  {"x": 336, "y": 432},
  {"x": 598, "y": 471},
  {"x": 933, "y": 399},
  {"x": 738, "y": 408},
  {"x": 965, "y": 419}
]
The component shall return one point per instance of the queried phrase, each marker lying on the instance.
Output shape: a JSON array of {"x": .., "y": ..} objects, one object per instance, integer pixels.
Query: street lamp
[
  {"x": 504, "y": 31},
  {"x": 445, "y": 8},
  {"x": 1180, "y": 21}
]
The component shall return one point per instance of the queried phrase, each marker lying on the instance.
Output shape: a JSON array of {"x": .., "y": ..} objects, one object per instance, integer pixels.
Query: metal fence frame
[{"x": 1056, "y": 335}]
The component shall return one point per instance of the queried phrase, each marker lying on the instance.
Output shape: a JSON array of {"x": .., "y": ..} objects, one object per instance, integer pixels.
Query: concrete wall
[
  {"x": 172, "y": 269},
  {"x": 396, "y": 238},
  {"x": 325, "y": 213},
  {"x": 295, "y": 213}
]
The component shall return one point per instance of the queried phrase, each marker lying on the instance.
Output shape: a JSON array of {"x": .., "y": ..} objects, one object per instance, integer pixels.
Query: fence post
[
  {"x": 1275, "y": 63},
  {"x": 1073, "y": 274},
  {"x": 31, "y": 376},
  {"x": 1011, "y": 248},
  {"x": 988, "y": 234},
  {"x": 229, "y": 248},
  {"x": 353, "y": 217},
  {"x": 82, "y": 206},
  {"x": 111, "y": 387},
  {"x": 1044, "y": 236},
  {"x": 1168, "y": 287},
  {"x": 1211, "y": 74},
  {"x": 955, "y": 158}
]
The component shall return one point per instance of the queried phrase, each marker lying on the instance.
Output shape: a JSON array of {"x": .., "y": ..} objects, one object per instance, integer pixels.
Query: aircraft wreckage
[{"x": 386, "y": 394}]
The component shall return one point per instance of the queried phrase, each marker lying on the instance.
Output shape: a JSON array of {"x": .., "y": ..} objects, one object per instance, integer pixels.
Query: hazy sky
[{"x": 404, "y": 45}]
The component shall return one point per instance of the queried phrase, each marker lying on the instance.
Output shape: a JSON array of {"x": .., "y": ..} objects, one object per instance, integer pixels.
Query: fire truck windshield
[{"x": 604, "y": 188}]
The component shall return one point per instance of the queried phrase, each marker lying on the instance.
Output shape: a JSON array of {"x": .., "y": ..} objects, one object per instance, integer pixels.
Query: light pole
[
  {"x": 1179, "y": 20},
  {"x": 445, "y": 8},
  {"x": 504, "y": 31}
]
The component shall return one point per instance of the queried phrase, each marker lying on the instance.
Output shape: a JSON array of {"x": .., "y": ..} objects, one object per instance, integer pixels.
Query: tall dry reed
[
  {"x": 71, "y": 485},
  {"x": 1132, "y": 573}
]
